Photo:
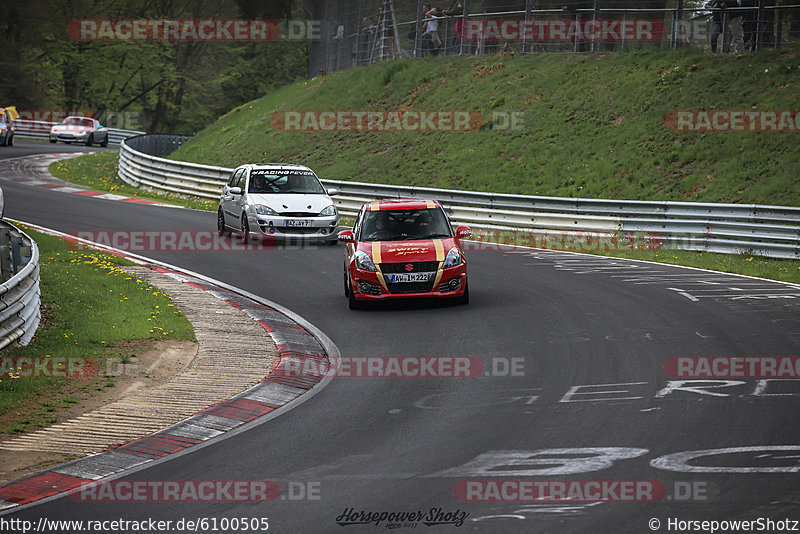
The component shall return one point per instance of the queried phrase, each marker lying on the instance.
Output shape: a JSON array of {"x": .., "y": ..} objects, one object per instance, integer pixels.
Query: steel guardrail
[
  {"x": 20, "y": 297},
  {"x": 764, "y": 230},
  {"x": 28, "y": 129}
]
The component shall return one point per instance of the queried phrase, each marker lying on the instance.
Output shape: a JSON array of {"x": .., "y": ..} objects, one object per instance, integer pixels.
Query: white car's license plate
[
  {"x": 304, "y": 222},
  {"x": 409, "y": 277}
]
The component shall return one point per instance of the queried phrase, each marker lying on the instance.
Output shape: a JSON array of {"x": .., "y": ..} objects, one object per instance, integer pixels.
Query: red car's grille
[
  {"x": 410, "y": 267},
  {"x": 410, "y": 287}
]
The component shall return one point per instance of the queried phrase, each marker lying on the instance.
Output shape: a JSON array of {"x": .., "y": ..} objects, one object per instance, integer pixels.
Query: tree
[{"x": 172, "y": 86}]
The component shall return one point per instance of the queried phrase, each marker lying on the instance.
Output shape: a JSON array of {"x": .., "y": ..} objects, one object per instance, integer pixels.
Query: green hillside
[{"x": 594, "y": 126}]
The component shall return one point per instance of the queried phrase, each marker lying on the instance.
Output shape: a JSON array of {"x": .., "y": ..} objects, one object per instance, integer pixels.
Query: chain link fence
[{"x": 362, "y": 32}]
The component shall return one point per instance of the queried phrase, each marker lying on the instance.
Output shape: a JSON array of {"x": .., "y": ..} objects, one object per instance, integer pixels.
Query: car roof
[
  {"x": 389, "y": 204},
  {"x": 275, "y": 166}
]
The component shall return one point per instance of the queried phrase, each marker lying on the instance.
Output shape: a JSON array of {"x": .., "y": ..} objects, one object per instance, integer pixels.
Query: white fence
[
  {"x": 19, "y": 295},
  {"x": 772, "y": 231}
]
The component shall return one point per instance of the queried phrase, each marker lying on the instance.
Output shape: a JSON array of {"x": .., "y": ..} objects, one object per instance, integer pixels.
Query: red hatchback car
[{"x": 404, "y": 248}]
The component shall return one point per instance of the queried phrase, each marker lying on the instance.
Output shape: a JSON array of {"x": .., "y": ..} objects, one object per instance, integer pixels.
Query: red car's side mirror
[
  {"x": 463, "y": 231},
  {"x": 346, "y": 236}
]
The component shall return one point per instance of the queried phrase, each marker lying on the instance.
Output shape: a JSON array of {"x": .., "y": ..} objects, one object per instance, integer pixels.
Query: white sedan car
[{"x": 282, "y": 201}]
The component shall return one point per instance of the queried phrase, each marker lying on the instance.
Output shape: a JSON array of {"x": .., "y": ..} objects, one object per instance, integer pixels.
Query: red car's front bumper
[{"x": 368, "y": 286}]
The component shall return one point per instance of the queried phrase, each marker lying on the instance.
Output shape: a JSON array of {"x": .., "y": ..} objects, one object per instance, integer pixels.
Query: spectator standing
[
  {"x": 721, "y": 24},
  {"x": 735, "y": 22},
  {"x": 366, "y": 41},
  {"x": 571, "y": 13},
  {"x": 457, "y": 12},
  {"x": 750, "y": 24}
]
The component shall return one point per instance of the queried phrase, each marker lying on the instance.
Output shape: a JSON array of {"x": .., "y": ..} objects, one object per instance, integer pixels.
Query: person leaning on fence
[
  {"x": 750, "y": 24},
  {"x": 457, "y": 11},
  {"x": 367, "y": 38},
  {"x": 722, "y": 23},
  {"x": 735, "y": 21},
  {"x": 571, "y": 13},
  {"x": 431, "y": 30}
]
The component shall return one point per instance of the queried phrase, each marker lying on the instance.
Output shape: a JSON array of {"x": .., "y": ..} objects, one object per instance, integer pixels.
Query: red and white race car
[
  {"x": 404, "y": 248},
  {"x": 7, "y": 116}
]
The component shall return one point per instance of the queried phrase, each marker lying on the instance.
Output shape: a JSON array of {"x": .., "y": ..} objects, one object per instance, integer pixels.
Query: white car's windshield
[
  {"x": 78, "y": 121},
  {"x": 285, "y": 182}
]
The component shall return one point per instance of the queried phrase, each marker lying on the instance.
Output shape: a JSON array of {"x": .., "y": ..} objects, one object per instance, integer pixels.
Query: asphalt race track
[{"x": 566, "y": 321}]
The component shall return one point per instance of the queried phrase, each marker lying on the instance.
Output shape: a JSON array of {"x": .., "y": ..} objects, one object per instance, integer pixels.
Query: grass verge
[
  {"x": 92, "y": 310},
  {"x": 593, "y": 126},
  {"x": 98, "y": 171}
]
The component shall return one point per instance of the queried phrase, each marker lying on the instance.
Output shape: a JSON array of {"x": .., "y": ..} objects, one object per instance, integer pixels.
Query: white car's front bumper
[{"x": 296, "y": 227}]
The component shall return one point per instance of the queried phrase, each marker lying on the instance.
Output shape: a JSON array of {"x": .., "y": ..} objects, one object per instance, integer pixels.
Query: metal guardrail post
[
  {"x": 526, "y": 45},
  {"x": 16, "y": 256},
  {"x": 677, "y": 26},
  {"x": 418, "y": 31},
  {"x": 595, "y": 17},
  {"x": 6, "y": 258},
  {"x": 760, "y": 27}
]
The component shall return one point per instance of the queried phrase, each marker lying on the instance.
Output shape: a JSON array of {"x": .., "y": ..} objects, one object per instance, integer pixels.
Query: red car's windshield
[{"x": 401, "y": 225}]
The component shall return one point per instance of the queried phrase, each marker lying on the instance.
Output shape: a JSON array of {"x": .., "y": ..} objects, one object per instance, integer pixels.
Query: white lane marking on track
[
  {"x": 539, "y": 509},
  {"x": 762, "y": 296},
  {"x": 684, "y": 293},
  {"x": 111, "y": 196},
  {"x": 574, "y": 391}
]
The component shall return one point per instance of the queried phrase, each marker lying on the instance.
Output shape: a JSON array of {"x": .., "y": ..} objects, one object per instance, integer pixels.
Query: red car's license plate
[{"x": 409, "y": 277}]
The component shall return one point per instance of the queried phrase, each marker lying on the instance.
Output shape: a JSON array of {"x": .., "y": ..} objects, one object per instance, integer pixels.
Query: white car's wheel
[{"x": 222, "y": 228}]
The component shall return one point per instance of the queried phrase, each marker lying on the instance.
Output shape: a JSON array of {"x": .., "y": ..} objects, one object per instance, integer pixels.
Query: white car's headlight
[
  {"x": 364, "y": 262},
  {"x": 330, "y": 211},
  {"x": 453, "y": 258},
  {"x": 264, "y": 210}
]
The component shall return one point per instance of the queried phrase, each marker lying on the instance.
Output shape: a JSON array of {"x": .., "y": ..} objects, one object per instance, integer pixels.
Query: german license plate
[
  {"x": 298, "y": 222},
  {"x": 409, "y": 277}
]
